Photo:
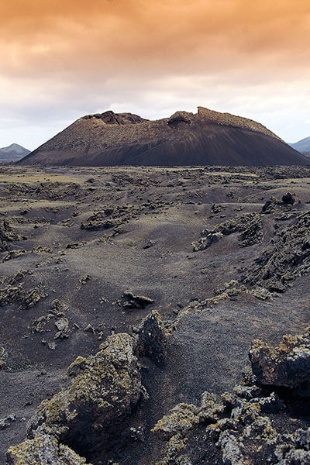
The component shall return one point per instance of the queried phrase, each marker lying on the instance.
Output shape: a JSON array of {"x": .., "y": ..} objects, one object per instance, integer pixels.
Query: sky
[{"x": 63, "y": 59}]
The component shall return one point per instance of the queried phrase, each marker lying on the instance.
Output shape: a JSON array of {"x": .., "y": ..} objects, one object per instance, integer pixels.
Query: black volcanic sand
[{"x": 74, "y": 240}]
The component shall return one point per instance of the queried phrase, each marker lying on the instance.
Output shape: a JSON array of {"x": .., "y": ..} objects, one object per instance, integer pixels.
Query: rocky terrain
[
  {"x": 144, "y": 313},
  {"x": 184, "y": 139}
]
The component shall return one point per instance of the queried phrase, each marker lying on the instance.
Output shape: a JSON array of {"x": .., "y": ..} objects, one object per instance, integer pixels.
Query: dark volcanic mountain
[
  {"x": 184, "y": 139},
  {"x": 12, "y": 153}
]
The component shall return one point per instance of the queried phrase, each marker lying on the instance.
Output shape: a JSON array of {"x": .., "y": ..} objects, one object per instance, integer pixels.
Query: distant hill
[
  {"x": 302, "y": 146},
  {"x": 12, "y": 153},
  {"x": 205, "y": 138}
]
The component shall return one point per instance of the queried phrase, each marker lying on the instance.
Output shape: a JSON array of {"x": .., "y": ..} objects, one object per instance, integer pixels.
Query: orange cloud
[
  {"x": 150, "y": 55},
  {"x": 137, "y": 36}
]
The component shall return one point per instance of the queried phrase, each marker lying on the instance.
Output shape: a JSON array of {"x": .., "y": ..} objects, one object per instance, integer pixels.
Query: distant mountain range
[
  {"x": 12, "y": 153},
  {"x": 185, "y": 139},
  {"x": 302, "y": 146}
]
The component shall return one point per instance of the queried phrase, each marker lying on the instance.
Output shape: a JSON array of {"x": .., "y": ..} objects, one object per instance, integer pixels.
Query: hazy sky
[{"x": 62, "y": 59}]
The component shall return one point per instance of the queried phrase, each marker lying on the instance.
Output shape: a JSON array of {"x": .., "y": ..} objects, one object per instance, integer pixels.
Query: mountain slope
[
  {"x": 12, "y": 153},
  {"x": 302, "y": 146},
  {"x": 184, "y": 139}
]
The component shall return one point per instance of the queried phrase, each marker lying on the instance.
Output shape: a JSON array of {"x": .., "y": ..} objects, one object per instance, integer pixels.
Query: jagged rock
[
  {"x": 285, "y": 366},
  {"x": 3, "y": 357},
  {"x": 179, "y": 420},
  {"x": 285, "y": 259},
  {"x": 43, "y": 450},
  {"x": 268, "y": 206},
  {"x": 205, "y": 138},
  {"x": 104, "y": 391},
  {"x": 109, "y": 117},
  {"x": 249, "y": 225},
  {"x": 152, "y": 339}
]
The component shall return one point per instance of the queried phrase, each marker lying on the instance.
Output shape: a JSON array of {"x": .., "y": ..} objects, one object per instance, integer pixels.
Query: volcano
[{"x": 184, "y": 139}]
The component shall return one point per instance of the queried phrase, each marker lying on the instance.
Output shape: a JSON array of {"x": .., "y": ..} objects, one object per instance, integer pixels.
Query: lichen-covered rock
[
  {"x": 253, "y": 425},
  {"x": 43, "y": 450},
  {"x": 104, "y": 391},
  {"x": 179, "y": 420},
  {"x": 285, "y": 366}
]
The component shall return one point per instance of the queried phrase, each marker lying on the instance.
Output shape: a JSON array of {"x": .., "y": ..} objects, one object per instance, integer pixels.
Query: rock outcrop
[
  {"x": 184, "y": 139},
  {"x": 85, "y": 418},
  {"x": 92, "y": 417},
  {"x": 252, "y": 425},
  {"x": 284, "y": 367}
]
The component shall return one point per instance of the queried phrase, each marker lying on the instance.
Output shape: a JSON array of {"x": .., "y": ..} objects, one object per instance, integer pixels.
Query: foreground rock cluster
[
  {"x": 150, "y": 284},
  {"x": 261, "y": 421}
]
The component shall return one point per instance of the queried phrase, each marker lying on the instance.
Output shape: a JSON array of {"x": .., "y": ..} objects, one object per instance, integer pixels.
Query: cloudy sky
[{"x": 62, "y": 59}]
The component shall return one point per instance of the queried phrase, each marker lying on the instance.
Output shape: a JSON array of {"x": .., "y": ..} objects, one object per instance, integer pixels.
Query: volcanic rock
[
  {"x": 252, "y": 425},
  {"x": 85, "y": 417},
  {"x": 205, "y": 138},
  {"x": 286, "y": 366}
]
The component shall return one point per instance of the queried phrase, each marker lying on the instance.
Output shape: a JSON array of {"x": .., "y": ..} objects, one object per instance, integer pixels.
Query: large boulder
[{"x": 90, "y": 416}]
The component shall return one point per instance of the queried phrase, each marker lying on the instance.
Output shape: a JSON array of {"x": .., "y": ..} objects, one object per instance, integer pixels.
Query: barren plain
[{"x": 221, "y": 253}]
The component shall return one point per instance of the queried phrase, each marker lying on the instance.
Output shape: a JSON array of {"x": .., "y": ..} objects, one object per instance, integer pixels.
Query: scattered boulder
[
  {"x": 27, "y": 299},
  {"x": 7, "y": 421},
  {"x": 63, "y": 331},
  {"x": 206, "y": 241}
]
